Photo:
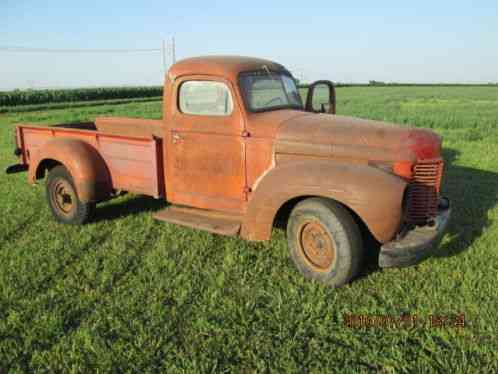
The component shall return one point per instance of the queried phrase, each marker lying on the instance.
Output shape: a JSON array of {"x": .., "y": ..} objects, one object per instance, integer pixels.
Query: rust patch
[
  {"x": 372, "y": 194},
  {"x": 208, "y": 220}
]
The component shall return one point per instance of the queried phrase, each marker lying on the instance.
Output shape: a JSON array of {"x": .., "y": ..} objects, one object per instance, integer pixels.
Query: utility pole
[
  {"x": 173, "y": 49},
  {"x": 164, "y": 55}
]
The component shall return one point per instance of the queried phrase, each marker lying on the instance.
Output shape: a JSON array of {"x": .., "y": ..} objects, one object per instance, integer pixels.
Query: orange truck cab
[{"x": 236, "y": 149}]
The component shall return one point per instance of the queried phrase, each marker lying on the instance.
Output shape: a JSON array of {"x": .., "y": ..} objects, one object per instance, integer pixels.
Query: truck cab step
[{"x": 209, "y": 220}]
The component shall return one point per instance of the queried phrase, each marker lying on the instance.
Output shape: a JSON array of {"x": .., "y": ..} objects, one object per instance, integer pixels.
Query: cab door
[{"x": 205, "y": 148}]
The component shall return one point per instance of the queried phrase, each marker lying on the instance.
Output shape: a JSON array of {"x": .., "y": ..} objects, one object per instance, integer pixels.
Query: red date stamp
[{"x": 405, "y": 321}]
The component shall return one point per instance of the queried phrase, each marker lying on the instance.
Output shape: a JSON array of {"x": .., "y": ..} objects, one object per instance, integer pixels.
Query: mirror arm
[{"x": 332, "y": 99}]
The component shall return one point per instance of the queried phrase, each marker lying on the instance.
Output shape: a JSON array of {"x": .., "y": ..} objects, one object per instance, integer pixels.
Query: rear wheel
[
  {"x": 324, "y": 241},
  {"x": 63, "y": 199}
]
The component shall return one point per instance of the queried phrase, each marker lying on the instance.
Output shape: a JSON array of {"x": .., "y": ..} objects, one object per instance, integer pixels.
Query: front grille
[{"x": 423, "y": 191}]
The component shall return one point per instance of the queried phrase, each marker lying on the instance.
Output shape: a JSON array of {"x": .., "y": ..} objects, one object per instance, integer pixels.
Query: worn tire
[
  {"x": 63, "y": 199},
  {"x": 325, "y": 242}
]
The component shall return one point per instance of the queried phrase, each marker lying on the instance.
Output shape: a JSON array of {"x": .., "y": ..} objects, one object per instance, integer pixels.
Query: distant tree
[{"x": 376, "y": 83}]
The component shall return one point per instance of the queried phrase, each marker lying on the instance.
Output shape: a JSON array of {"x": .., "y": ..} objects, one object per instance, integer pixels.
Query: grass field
[
  {"x": 72, "y": 105},
  {"x": 129, "y": 293}
]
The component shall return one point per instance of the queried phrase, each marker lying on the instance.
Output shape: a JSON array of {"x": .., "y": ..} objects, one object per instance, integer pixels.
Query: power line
[{"x": 56, "y": 50}]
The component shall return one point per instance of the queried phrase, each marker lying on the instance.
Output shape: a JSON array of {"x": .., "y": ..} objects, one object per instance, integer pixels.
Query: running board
[{"x": 209, "y": 220}]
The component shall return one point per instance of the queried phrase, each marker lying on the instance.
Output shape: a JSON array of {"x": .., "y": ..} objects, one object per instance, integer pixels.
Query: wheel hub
[
  {"x": 63, "y": 197},
  {"x": 316, "y": 245}
]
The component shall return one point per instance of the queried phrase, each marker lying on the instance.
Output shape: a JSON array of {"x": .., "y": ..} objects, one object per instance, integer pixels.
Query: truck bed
[{"x": 134, "y": 162}]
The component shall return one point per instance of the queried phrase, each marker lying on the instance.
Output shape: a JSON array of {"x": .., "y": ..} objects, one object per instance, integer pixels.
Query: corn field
[{"x": 32, "y": 97}]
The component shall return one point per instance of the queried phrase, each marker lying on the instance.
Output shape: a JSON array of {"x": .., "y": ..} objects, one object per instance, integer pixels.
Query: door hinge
[{"x": 246, "y": 134}]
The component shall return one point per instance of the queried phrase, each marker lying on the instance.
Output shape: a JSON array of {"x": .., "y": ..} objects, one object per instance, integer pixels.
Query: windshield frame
[{"x": 279, "y": 74}]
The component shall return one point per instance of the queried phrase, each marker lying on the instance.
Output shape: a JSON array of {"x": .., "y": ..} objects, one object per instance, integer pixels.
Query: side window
[{"x": 207, "y": 98}]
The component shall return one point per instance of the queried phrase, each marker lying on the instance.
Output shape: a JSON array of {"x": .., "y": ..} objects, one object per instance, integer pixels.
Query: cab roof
[{"x": 226, "y": 66}]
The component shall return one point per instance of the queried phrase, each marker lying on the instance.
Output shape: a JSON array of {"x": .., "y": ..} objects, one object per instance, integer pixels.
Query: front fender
[
  {"x": 88, "y": 169},
  {"x": 373, "y": 194}
]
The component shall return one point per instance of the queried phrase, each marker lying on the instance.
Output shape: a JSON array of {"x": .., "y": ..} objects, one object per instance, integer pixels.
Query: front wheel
[
  {"x": 63, "y": 199},
  {"x": 324, "y": 241}
]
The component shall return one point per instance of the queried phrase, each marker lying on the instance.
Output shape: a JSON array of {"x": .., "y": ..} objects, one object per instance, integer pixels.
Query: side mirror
[{"x": 321, "y": 98}]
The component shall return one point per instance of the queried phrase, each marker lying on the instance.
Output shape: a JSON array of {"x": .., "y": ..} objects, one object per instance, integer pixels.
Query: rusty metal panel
[
  {"x": 32, "y": 139},
  {"x": 136, "y": 127},
  {"x": 130, "y": 162},
  {"x": 223, "y": 66},
  {"x": 267, "y": 124},
  {"x": 207, "y": 171},
  {"x": 371, "y": 193},
  {"x": 341, "y": 130}
]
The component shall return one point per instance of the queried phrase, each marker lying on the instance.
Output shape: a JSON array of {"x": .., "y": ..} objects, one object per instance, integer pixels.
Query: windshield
[{"x": 266, "y": 90}]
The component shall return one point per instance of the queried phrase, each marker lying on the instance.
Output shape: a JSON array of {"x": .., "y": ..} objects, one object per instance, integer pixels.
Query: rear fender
[
  {"x": 88, "y": 169},
  {"x": 373, "y": 194}
]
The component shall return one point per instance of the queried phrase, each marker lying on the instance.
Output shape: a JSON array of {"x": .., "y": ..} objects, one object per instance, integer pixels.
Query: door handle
[{"x": 176, "y": 138}]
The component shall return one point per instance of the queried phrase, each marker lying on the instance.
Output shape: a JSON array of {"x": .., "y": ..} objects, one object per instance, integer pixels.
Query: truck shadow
[
  {"x": 20, "y": 227},
  {"x": 136, "y": 205},
  {"x": 472, "y": 192}
]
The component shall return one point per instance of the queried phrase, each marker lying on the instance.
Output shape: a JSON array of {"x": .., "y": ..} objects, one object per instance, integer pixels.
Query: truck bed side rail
[{"x": 134, "y": 163}]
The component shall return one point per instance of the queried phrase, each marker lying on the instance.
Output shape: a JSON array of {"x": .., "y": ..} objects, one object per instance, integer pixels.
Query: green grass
[
  {"x": 132, "y": 294},
  {"x": 75, "y": 104}
]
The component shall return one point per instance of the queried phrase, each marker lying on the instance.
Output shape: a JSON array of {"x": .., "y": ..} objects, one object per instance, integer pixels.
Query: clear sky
[{"x": 345, "y": 41}]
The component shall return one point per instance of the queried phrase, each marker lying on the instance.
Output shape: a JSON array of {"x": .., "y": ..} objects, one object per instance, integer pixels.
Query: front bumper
[{"x": 418, "y": 243}]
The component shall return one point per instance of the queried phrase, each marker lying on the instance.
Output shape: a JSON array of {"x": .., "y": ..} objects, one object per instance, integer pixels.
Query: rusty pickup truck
[{"x": 238, "y": 148}]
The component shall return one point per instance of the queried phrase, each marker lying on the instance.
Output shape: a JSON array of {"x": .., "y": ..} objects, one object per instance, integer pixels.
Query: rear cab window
[{"x": 205, "y": 98}]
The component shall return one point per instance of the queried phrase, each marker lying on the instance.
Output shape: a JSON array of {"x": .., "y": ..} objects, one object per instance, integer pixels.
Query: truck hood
[{"x": 354, "y": 138}]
